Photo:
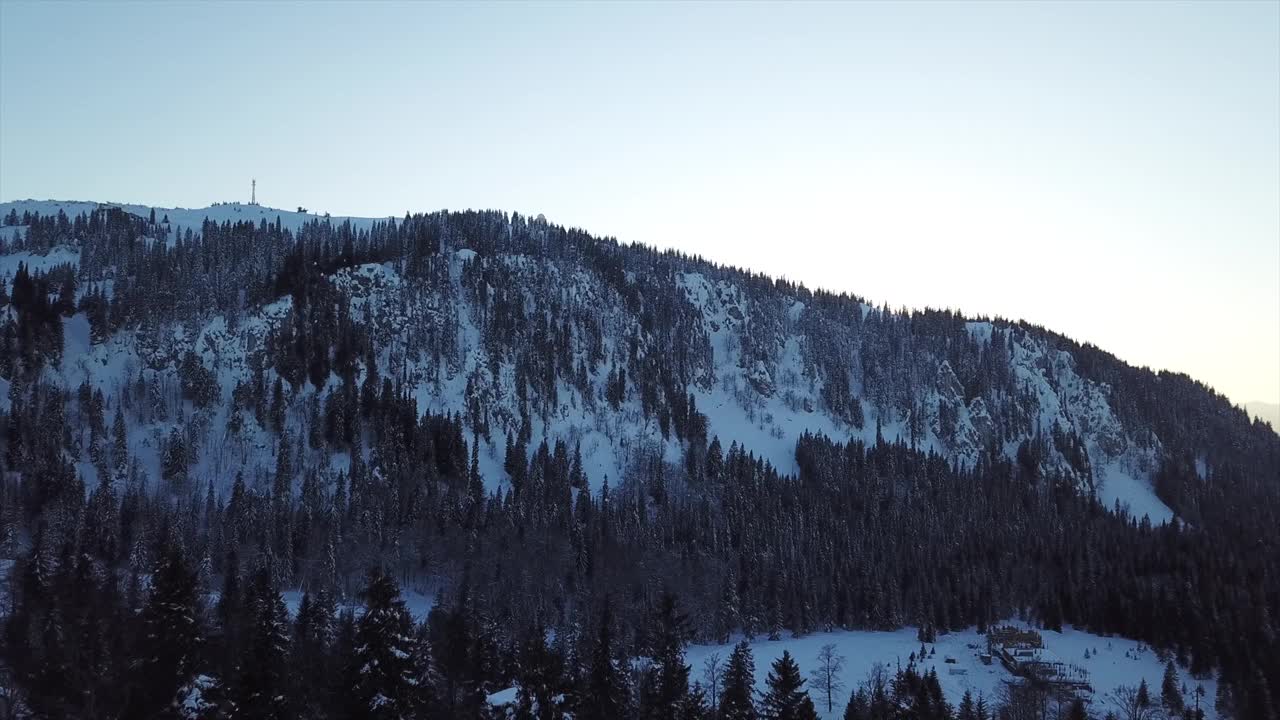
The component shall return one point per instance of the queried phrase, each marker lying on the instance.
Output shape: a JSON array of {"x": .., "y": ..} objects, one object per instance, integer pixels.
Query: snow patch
[
  {"x": 60, "y": 255},
  {"x": 1117, "y": 485}
]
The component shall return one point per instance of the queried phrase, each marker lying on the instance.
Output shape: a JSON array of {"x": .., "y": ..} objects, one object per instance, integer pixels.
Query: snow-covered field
[{"x": 1112, "y": 662}]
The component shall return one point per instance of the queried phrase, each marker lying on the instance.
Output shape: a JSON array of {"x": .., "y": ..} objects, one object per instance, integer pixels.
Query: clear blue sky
[{"x": 1109, "y": 170}]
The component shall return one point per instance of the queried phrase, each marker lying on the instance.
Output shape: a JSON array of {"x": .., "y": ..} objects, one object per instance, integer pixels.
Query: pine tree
[
  {"x": 228, "y": 614},
  {"x": 175, "y": 459},
  {"x": 806, "y": 711},
  {"x": 120, "y": 440},
  {"x": 485, "y": 661},
  {"x": 859, "y": 706},
  {"x": 727, "y": 610},
  {"x": 347, "y": 704},
  {"x": 605, "y": 694},
  {"x": 670, "y": 674},
  {"x": 694, "y": 705},
  {"x": 736, "y": 700},
  {"x": 922, "y": 693},
  {"x": 170, "y": 642},
  {"x": 314, "y": 637},
  {"x": 1170, "y": 692},
  {"x": 425, "y": 678},
  {"x": 101, "y": 532},
  {"x": 261, "y": 686},
  {"x": 385, "y": 677},
  {"x": 454, "y": 649},
  {"x": 966, "y": 711},
  {"x": 541, "y": 679},
  {"x": 785, "y": 698},
  {"x": 28, "y": 620}
]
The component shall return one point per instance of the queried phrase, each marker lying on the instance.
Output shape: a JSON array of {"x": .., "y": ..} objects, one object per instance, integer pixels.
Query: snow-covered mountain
[
  {"x": 765, "y": 362},
  {"x": 555, "y": 440}
]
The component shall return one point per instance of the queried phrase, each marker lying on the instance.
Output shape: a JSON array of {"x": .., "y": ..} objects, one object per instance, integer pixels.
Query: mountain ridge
[
  {"x": 733, "y": 380},
  {"x": 236, "y": 211},
  {"x": 968, "y": 424}
]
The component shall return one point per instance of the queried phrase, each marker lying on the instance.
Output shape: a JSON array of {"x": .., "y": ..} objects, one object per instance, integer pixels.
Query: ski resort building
[{"x": 1023, "y": 653}]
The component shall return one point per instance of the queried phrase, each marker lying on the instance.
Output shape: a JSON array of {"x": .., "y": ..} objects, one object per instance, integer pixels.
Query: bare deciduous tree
[
  {"x": 1024, "y": 700},
  {"x": 711, "y": 672},
  {"x": 826, "y": 676},
  {"x": 877, "y": 678},
  {"x": 1129, "y": 704}
]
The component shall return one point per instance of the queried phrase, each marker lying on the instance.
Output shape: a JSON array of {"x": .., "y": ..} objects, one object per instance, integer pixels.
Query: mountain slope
[
  {"x": 764, "y": 362},
  {"x": 547, "y": 430}
]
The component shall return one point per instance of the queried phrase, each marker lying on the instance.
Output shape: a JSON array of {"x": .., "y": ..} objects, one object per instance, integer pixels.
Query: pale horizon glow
[{"x": 1108, "y": 170}]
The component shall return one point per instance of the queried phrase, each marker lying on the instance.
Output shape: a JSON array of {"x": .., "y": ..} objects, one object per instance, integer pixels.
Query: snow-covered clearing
[
  {"x": 1112, "y": 662},
  {"x": 1117, "y": 485}
]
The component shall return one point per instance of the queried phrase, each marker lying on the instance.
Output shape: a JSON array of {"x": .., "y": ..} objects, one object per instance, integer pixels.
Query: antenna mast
[{"x": 253, "y": 192}]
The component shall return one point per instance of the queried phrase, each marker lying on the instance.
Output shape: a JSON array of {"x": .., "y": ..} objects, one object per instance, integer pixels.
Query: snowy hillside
[
  {"x": 762, "y": 395},
  {"x": 223, "y": 428},
  {"x": 1109, "y": 662}
]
